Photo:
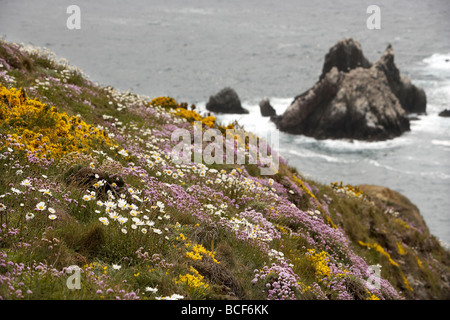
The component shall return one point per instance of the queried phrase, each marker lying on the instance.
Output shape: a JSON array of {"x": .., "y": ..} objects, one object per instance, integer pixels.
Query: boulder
[
  {"x": 266, "y": 108},
  {"x": 225, "y": 101},
  {"x": 445, "y": 113}
]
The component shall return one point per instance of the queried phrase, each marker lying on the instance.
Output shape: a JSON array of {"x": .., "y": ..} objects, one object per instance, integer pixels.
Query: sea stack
[{"x": 354, "y": 99}]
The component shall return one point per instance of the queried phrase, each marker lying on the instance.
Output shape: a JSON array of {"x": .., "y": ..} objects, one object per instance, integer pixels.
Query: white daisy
[{"x": 41, "y": 206}]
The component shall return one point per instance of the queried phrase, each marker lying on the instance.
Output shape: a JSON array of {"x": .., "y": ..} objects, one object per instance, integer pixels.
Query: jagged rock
[
  {"x": 266, "y": 108},
  {"x": 412, "y": 98},
  {"x": 225, "y": 101},
  {"x": 445, "y": 113},
  {"x": 345, "y": 56},
  {"x": 354, "y": 99},
  {"x": 353, "y": 105}
]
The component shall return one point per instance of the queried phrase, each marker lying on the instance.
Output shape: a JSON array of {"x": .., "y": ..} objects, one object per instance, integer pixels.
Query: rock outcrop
[
  {"x": 345, "y": 56},
  {"x": 411, "y": 98},
  {"x": 225, "y": 101},
  {"x": 354, "y": 99},
  {"x": 266, "y": 108},
  {"x": 445, "y": 113}
]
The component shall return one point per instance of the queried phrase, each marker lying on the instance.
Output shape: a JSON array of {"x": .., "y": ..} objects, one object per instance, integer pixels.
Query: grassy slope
[{"x": 202, "y": 234}]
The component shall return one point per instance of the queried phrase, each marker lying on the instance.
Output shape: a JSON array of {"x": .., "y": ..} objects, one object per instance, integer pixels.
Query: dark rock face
[
  {"x": 345, "y": 55},
  {"x": 266, "y": 108},
  {"x": 411, "y": 98},
  {"x": 445, "y": 113},
  {"x": 354, "y": 99},
  {"x": 354, "y": 105},
  {"x": 225, "y": 101}
]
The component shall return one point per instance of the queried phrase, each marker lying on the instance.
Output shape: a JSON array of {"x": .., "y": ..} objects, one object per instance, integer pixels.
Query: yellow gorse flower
[
  {"x": 198, "y": 251},
  {"x": 165, "y": 102},
  {"x": 41, "y": 130},
  {"x": 191, "y": 116},
  {"x": 320, "y": 261},
  {"x": 379, "y": 249},
  {"x": 193, "y": 280}
]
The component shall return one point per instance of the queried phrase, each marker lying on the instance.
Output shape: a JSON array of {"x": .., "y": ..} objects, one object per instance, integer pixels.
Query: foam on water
[{"x": 438, "y": 62}]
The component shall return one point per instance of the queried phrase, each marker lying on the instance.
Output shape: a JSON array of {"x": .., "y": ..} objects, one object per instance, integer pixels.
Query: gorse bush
[{"x": 41, "y": 130}]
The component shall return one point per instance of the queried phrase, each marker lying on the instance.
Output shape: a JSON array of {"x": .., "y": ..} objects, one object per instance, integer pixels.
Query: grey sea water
[{"x": 190, "y": 49}]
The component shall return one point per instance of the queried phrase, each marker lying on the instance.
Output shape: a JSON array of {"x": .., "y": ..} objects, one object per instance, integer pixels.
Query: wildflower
[
  {"x": 41, "y": 206},
  {"x": 122, "y": 220},
  {"x": 104, "y": 220},
  {"x": 51, "y": 210},
  {"x": 45, "y": 191},
  {"x": 144, "y": 231},
  {"x": 113, "y": 215},
  {"x": 52, "y": 217},
  {"x": 29, "y": 216},
  {"x": 116, "y": 267},
  {"x": 124, "y": 231},
  {"x": 2, "y": 207},
  {"x": 175, "y": 296},
  {"x": 122, "y": 204},
  {"x": 26, "y": 183},
  {"x": 110, "y": 205},
  {"x": 123, "y": 152},
  {"x": 87, "y": 197},
  {"x": 150, "y": 289},
  {"x": 157, "y": 231},
  {"x": 17, "y": 191},
  {"x": 133, "y": 213}
]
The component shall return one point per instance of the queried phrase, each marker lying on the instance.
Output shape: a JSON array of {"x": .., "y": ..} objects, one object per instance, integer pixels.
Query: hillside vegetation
[{"x": 88, "y": 179}]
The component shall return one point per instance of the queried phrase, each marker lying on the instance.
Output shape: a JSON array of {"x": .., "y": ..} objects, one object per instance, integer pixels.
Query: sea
[{"x": 191, "y": 49}]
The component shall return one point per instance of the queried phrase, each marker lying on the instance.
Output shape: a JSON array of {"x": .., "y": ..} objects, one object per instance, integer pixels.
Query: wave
[
  {"x": 445, "y": 143},
  {"x": 431, "y": 174},
  {"x": 438, "y": 61},
  {"x": 310, "y": 154}
]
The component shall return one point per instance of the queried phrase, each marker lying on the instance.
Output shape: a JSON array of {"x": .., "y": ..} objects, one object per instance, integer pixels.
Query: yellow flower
[
  {"x": 43, "y": 131},
  {"x": 379, "y": 249}
]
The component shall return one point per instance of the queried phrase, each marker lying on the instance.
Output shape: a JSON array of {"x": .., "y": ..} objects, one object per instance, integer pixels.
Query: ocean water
[{"x": 190, "y": 49}]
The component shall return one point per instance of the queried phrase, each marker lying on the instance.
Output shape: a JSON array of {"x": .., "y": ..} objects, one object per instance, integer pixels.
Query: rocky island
[{"x": 354, "y": 99}]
